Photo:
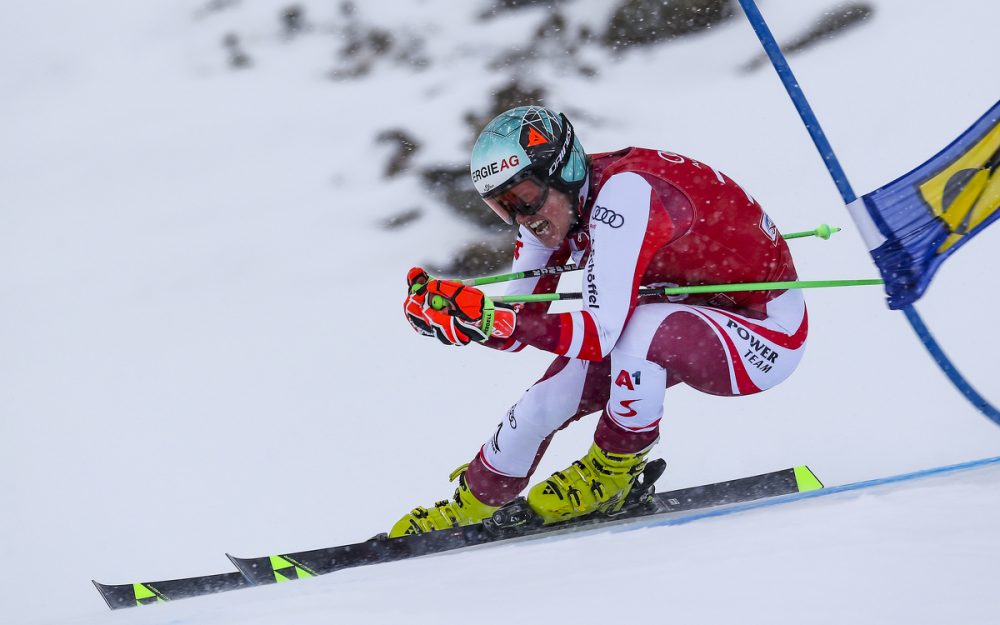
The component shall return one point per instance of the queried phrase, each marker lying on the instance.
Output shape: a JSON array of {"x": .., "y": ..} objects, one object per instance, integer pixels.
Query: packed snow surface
[{"x": 201, "y": 345}]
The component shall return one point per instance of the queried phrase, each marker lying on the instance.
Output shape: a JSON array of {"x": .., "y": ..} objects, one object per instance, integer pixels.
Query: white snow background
[{"x": 202, "y": 348}]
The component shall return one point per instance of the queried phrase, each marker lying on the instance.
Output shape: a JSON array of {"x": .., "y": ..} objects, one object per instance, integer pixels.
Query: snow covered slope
[
  {"x": 201, "y": 348},
  {"x": 918, "y": 552}
]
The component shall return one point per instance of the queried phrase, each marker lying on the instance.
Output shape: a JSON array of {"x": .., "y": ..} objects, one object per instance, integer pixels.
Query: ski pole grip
[{"x": 437, "y": 302}]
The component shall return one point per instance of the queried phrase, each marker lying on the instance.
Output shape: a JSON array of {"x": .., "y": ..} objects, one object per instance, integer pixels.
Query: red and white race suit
[{"x": 652, "y": 218}]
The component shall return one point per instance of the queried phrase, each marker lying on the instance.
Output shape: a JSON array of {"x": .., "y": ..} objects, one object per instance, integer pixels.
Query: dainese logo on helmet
[{"x": 495, "y": 167}]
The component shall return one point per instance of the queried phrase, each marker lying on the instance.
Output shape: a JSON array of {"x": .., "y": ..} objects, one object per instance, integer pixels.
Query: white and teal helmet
[{"x": 527, "y": 142}]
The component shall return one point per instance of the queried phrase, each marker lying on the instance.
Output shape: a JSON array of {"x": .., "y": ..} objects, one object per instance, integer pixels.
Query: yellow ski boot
[
  {"x": 598, "y": 482},
  {"x": 462, "y": 509}
]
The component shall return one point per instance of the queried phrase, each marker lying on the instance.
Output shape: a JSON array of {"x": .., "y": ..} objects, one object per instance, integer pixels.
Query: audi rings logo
[{"x": 607, "y": 216}]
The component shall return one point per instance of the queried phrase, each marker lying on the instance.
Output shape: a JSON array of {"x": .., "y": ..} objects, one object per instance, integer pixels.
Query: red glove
[
  {"x": 454, "y": 313},
  {"x": 413, "y": 307},
  {"x": 426, "y": 320},
  {"x": 472, "y": 314}
]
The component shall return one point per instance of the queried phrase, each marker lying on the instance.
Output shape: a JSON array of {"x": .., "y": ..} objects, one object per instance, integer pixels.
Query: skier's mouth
[{"x": 539, "y": 226}]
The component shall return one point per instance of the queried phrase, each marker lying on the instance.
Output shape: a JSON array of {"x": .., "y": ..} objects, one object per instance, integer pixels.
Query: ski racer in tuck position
[{"x": 632, "y": 217}]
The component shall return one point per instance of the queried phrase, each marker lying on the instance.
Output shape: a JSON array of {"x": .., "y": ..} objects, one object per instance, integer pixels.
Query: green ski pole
[
  {"x": 823, "y": 231},
  {"x": 518, "y": 275},
  {"x": 705, "y": 288}
]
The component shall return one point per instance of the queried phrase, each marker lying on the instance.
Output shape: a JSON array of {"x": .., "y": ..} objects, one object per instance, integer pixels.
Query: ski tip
[
  {"x": 806, "y": 480},
  {"x": 246, "y": 567},
  {"x": 108, "y": 593},
  {"x": 237, "y": 562},
  {"x": 100, "y": 588}
]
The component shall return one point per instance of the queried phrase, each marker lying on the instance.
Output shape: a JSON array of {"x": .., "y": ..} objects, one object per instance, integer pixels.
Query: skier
[{"x": 632, "y": 217}]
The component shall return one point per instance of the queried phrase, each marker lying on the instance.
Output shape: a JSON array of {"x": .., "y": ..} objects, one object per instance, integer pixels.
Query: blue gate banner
[{"x": 912, "y": 224}]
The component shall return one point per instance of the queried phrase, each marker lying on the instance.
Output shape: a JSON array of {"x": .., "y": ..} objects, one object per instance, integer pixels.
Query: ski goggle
[{"x": 524, "y": 197}]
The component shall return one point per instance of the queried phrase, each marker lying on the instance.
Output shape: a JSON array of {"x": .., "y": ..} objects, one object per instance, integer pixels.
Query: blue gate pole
[{"x": 847, "y": 193}]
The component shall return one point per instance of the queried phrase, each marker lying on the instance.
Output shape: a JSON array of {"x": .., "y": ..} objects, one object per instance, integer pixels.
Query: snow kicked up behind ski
[{"x": 288, "y": 566}]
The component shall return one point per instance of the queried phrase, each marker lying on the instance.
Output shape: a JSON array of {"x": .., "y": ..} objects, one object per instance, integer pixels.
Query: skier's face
[{"x": 553, "y": 220}]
